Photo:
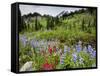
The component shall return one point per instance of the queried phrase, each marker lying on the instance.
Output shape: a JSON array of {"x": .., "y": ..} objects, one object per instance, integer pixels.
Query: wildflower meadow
[{"x": 63, "y": 39}]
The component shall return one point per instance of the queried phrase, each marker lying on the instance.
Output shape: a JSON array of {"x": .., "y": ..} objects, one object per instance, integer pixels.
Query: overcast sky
[{"x": 49, "y": 10}]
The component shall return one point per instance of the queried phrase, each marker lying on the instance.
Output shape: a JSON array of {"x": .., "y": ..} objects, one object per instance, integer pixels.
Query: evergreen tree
[{"x": 83, "y": 25}]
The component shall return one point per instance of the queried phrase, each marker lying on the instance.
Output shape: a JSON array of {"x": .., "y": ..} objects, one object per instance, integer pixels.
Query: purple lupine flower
[
  {"x": 32, "y": 43},
  {"x": 57, "y": 48},
  {"x": 23, "y": 40},
  {"x": 36, "y": 43},
  {"x": 78, "y": 48},
  {"x": 74, "y": 57},
  {"x": 62, "y": 58},
  {"x": 61, "y": 62},
  {"x": 68, "y": 49},
  {"x": 65, "y": 49},
  {"x": 93, "y": 53},
  {"x": 90, "y": 49}
]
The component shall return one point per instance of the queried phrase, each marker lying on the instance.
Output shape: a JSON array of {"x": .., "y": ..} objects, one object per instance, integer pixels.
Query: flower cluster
[
  {"x": 91, "y": 51},
  {"x": 62, "y": 58},
  {"x": 24, "y": 40},
  {"x": 47, "y": 66},
  {"x": 78, "y": 48},
  {"x": 74, "y": 57},
  {"x": 66, "y": 49}
]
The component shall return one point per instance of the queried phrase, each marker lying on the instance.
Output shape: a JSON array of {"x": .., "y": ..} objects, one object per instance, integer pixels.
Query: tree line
[{"x": 51, "y": 21}]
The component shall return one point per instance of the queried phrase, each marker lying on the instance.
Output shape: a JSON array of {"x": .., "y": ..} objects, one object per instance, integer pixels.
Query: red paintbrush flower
[
  {"x": 50, "y": 49},
  {"x": 47, "y": 66}
]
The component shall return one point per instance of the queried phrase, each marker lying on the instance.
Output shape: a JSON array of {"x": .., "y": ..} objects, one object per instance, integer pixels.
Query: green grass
[{"x": 69, "y": 36}]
